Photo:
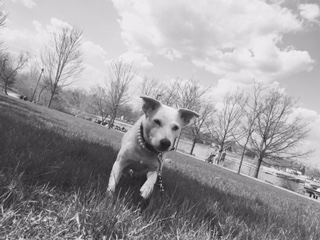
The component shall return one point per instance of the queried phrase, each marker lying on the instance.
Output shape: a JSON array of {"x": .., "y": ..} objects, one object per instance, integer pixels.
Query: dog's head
[{"x": 163, "y": 123}]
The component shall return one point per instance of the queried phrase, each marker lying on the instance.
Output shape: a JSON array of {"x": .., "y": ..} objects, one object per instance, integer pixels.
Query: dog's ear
[
  {"x": 150, "y": 104},
  {"x": 186, "y": 115}
]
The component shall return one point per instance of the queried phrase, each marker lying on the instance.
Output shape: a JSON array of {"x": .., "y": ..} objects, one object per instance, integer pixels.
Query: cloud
[
  {"x": 310, "y": 11},
  {"x": 313, "y": 140},
  {"x": 307, "y": 114},
  {"x": 238, "y": 40},
  {"x": 90, "y": 77},
  {"x": 26, "y": 3},
  {"x": 33, "y": 40},
  {"x": 56, "y": 24},
  {"x": 93, "y": 50},
  {"x": 139, "y": 59}
]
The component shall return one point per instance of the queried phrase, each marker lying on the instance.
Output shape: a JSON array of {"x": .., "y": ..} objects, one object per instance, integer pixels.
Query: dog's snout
[{"x": 165, "y": 143}]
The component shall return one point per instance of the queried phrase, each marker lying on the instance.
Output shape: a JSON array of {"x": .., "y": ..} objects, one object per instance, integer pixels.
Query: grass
[{"x": 54, "y": 174}]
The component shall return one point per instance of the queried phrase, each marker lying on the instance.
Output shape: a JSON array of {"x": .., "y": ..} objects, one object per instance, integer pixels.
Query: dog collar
[
  {"x": 149, "y": 148},
  {"x": 143, "y": 143}
]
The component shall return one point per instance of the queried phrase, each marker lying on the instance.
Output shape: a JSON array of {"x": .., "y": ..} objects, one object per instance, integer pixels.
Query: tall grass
[{"x": 54, "y": 173}]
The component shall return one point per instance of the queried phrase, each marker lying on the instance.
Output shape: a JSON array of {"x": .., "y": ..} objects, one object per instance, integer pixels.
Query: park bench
[{"x": 312, "y": 192}]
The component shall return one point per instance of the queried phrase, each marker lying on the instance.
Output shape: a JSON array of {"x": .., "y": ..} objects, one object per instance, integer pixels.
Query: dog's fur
[{"x": 161, "y": 125}]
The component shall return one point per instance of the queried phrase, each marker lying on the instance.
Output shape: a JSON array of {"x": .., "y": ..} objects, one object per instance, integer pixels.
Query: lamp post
[{"x": 37, "y": 84}]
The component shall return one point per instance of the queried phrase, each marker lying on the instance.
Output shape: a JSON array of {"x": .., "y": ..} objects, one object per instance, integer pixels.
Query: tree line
[{"x": 261, "y": 121}]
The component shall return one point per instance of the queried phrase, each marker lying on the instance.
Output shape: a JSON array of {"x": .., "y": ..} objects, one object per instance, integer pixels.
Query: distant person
[
  {"x": 223, "y": 156},
  {"x": 211, "y": 156},
  {"x": 218, "y": 154}
]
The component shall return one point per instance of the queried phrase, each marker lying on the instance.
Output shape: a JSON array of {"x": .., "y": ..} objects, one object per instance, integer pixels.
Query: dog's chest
[{"x": 140, "y": 166}]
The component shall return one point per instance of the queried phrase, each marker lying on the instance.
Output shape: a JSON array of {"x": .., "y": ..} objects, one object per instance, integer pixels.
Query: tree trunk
[
  {"x": 241, "y": 160},
  {"x": 5, "y": 89},
  {"x": 112, "y": 119},
  {"x": 242, "y": 156},
  {"x": 258, "y": 167},
  {"x": 220, "y": 151},
  {"x": 261, "y": 155},
  {"x": 193, "y": 145},
  {"x": 52, "y": 94},
  {"x": 39, "y": 95}
]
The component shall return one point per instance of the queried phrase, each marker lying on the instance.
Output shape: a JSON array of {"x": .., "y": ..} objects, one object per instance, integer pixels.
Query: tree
[
  {"x": 43, "y": 93},
  {"x": 76, "y": 98},
  {"x": 117, "y": 84},
  {"x": 278, "y": 133},
  {"x": 3, "y": 18},
  {"x": 9, "y": 67},
  {"x": 197, "y": 127},
  {"x": 224, "y": 127},
  {"x": 62, "y": 59},
  {"x": 169, "y": 97},
  {"x": 251, "y": 112},
  {"x": 128, "y": 113},
  {"x": 190, "y": 95},
  {"x": 100, "y": 101},
  {"x": 152, "y": 87},
  {"x": 27, "y": 81}
]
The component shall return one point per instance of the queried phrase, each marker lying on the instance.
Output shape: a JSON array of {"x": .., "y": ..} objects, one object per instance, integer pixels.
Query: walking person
[
  {"x": 217, "y": 157},
  {"x": 211, "y": 156},
  {"x": 223, "y": 156}
]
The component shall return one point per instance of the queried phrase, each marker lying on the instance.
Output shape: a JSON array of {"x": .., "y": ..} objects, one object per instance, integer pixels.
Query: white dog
[{"x": 144, "y": 145}]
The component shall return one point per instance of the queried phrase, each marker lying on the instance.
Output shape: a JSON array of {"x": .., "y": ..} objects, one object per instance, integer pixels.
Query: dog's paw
[
  {"x": 111, "y": 191},
  {"x": 146, "y": 190}
]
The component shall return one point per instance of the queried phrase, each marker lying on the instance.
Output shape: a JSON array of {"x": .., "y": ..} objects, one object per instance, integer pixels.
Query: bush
[{"x": 289, "y": 184}]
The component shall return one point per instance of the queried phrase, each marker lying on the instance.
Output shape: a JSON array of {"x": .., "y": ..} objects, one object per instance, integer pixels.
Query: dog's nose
[{"x": 165, "y": 143}]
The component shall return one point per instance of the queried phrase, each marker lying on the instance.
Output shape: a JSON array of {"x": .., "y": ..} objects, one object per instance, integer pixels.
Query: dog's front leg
[
  {"x": 147, "y": 187},
  {"x": 115, "y": 175}
]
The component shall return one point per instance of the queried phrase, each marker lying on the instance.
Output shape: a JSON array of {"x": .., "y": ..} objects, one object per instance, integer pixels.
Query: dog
[{"x": 144, "y": 146}]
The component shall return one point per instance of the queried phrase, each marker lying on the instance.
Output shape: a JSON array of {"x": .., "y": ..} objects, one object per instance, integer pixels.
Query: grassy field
[{"x": 54, "y": 173}]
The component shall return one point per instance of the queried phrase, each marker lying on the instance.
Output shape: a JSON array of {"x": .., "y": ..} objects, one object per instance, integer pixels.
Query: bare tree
[
  {"x": 251, "y": 112},
  {"x": 117, "y": 85},
  {"x": 225, "y": 124},
  {"x": 190, "y": 95},
  {"x": 197, "y": 127},
  {"x": 169, "y": 97},
  {"x": 100, "y": 101},
  {"x": 278, "y": 134},
  {"x": 62, "y": 59},
  {"x": 3, "y": 18},
  {"x": 27, "y": 81},
  {"x": 43, "y": 88},
  {"x": 153, "y": 88},
  {"x": 77, "y": 98},
  {"x": 9, "y": 67}
]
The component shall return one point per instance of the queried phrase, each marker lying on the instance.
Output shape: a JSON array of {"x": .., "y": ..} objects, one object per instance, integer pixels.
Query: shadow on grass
[{"x": 188, "y": 199}]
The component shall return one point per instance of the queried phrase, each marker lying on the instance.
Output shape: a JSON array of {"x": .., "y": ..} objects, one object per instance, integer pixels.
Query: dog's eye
[
  {"x": 175, "y": 128},
  {"x": 157, "y": 122}
]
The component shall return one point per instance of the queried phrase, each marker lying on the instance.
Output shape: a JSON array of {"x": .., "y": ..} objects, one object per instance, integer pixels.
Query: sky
[{"x": 220, "y": 43}]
